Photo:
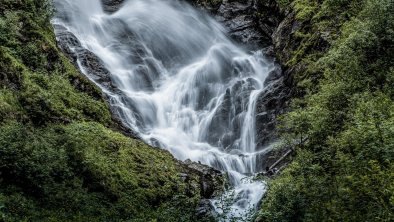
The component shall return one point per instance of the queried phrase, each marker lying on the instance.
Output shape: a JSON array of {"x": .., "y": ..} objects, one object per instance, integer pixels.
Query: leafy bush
[
  {"x": 344, "y": 169},
  {"x": 59, "y": 161}
]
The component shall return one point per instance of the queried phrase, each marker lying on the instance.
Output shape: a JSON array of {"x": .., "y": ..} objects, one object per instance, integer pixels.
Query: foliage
[
  {"x": 344, "y": 168},
  {"x": 59, "y": 159},
  {"x": 86, "y": 168}
]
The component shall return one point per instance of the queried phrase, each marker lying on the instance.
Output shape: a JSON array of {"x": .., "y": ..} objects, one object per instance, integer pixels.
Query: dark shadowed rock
[
  {"x": 211, "y": 6},
  {"x": 66, "y": 41},
  {"x": 92, "y": 65},
  {"x": 282, "y": 37},
  {"x": 93, "y": 68},
  {"x": 271, "y": 103},
  {"x": 111, "y": 6},
  {"x": 212, "y": 181},
  {"x": 250, "y": 22},
  {"x": 242, "y": 21},
  {"x": 269, "y": 16},
  {"x": 257, "y": 24},
  {"x": 205, "y": 209}
]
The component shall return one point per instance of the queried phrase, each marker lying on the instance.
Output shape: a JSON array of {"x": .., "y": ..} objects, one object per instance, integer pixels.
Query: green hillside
[
  {"x": 61, "y": 157},
  {"x": 342, "y": 112}
]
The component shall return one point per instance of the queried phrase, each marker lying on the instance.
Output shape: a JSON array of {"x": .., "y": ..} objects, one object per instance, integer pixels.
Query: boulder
[
  {"x": 205, "y": 210},
  {"x": 112, "y": 6},
  {"x": 212, "y": 181}
]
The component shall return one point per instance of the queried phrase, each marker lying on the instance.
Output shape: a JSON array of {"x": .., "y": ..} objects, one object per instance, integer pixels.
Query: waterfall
[{"x": 181, "y": 83}]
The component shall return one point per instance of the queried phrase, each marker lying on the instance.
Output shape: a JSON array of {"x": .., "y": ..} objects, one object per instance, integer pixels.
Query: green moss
[
  {"x": 86, "y": 168},
  {"x": 305, "y": 9},
  {"x": 58, "y": 159},
  {"x": 343, "y": 170},
  {"x": 318, "y": 27}
]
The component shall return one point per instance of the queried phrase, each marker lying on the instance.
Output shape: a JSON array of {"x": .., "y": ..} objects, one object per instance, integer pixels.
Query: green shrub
[
  {"x": 59, "y": 161},
  {"x": 344, "y": 168}
]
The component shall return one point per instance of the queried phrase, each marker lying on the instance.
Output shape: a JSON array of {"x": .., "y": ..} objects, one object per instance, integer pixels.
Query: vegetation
[
  {"x": 60, "y": 160},
  {"x": 343, "y": 115}
]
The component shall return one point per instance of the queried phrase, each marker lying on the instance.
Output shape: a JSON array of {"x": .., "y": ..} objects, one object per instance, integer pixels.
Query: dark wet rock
[
  {"x": 111, "y": 6},
  {"x": 269, "y": 16},
  {"x": 210, "y": 6},
  {"x": 205, "y": 209},
  {"x": 282, "y": 37},
  {"x": 242, "y": 21},
  {"x": 273, "y": 76},
  {"x": 92, "y": 65},
  {"x": 212, "y": 181},
  {"x": 262, "y": 24},
  {"x": 250, "y": 22},
  {"x": 94, "y": 69},
  {"x": 67, "y": 41},
  {"x": 271, "y": 103},
  {"x": 226, "y": 124}
]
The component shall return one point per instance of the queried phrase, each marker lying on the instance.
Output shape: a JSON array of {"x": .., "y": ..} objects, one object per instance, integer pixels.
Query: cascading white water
[{"x": 183, "y": 85}]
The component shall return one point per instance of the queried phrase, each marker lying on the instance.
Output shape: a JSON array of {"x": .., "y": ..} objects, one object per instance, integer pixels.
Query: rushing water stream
[{"x": 182, "y": 83}]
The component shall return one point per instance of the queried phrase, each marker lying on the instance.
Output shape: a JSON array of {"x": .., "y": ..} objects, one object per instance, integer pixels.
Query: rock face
[
  {"x": 269, "y": 16},
  {"x": 271, "y": 103},
  {"x": 212, "y": 183},
  {"x": 255, "y": 24},
  {"x": 259, "y": 24},
  {"x": 250, "y": 22},
  {"x": 282, "y": 39},
  {"x": 242, "y": 22}
]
